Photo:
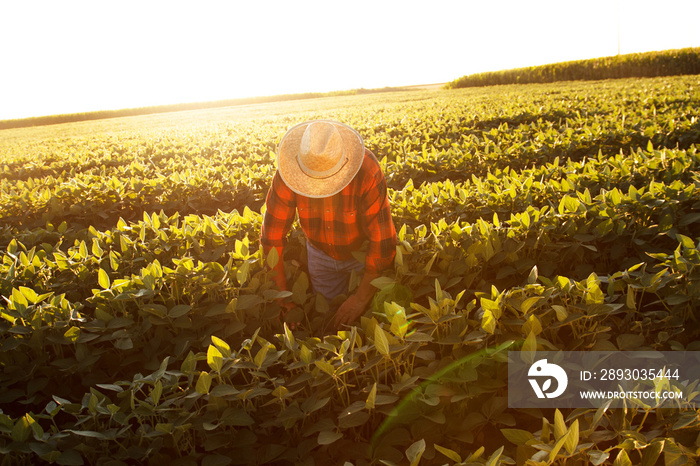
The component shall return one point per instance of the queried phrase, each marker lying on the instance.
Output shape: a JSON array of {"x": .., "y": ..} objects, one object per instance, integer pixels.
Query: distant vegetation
[
  {"x": 635, "y": 65},
  {"x": 102, "y": 114}
]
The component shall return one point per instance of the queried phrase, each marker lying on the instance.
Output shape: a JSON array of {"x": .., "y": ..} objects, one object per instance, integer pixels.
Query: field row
[{"x": 454, "y": 138}]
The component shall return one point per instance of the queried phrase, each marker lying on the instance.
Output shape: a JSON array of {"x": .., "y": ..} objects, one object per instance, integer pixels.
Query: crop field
[{"x": 139, "y": 322}]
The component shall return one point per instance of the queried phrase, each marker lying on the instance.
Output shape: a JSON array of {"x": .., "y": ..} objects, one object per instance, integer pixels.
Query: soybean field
[{"x": 139, "y": 323}]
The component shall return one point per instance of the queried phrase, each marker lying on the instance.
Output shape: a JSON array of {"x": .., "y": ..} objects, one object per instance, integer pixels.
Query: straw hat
[{"x": 319, "y": 158}]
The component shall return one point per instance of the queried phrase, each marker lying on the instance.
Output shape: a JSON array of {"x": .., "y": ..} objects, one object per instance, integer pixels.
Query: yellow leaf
[
  {"x": 203, "y": 383},
  {"x": 530, "y": 342},
  {"x": 215, "y": 359},
  {"x": 103, "y": 279},
  {"x": 369, "y": 403},
  {"x": 488, "y": 322},
  {"x": 380, "y": 341},
  {"x": 572, "y": 438}
]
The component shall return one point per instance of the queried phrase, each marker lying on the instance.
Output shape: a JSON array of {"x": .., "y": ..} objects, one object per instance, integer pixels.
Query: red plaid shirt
[{"x": 339, "y": 224}]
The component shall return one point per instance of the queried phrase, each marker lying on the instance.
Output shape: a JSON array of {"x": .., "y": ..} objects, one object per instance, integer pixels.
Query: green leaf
[
  {"x": 476, "y": 455},
  {"x": 222, "y": 346},
  {"x": 271, "y": 295},
  {"x": 103, "y": 279},
  {"x": 399, "y": 324},
  {"x": 12, "y": 248},
  {"x": 489, "y": 305},
  {"x": 189, "y": 364},
  {"x": 179, "y": 311},
  {"x": 313, "y": 404},
  {"x": 380, "y": 341},
  {"x": 415, "y": 452},
  {"x": 600, "y": 412},
  {"x": 300, "y": 288},
  {"x": 451, "y": 454},
  {"x": 382, "y": 282},
  {"x": 518, "y": 436},
  {"x": 630, "y": 301},
  {"x": 30, "y": 294},
  {"x": 72, "y": 334},
  {"x": 82, "y": 250},
  {"x": 488, "y": 322},
  {"x": 18, "y": 299},
  {"x": 305, "y": 355},
  {"x": 594, "y": 295},
  {"x": 97, "y": 251},
  {"x": 248, "y": 301},
  {"x": 70, "y": 458},
  {"x": 88, "y": 433},
  {"x": 529, "y": 303},
  {"x": 21, "y": 430},
  {"x": 687, "y": 242},
  {"x": 371, "y": 398},
  {"x": 530, "y": 343},
  {"x": 622, "y": 459},
  {"x": 557, "y": 447},
  {"x": 429, "y": 265},
  {"x": 236, "y": 417},
  {"x": 289, "y": 340},
  {"x": 561, "y": 312},
  {"x": 525, "y": 220},
  {"x": 156, "y": 393},
  {"x": 328, "y": 436},
  {"x": 123, "y": 343},
  {"x": 242, "y": 273},
  {"x": 598, "y": 457},
  {"x": 260, "y": 356},
  {"x": 494, "y": 458},
  {"x": 203, "y": 383},
  {"x": 651, "y": 452},
  {"x": 350, "y": 419},
  {"x": 325, "y": 366},
  {"x": 214, "y": 358},
  {"x": 114, "y": 260},
  {"x": 629, "y": 341},
  {"x": 572, "y": 438},
  {"x": 532, "y": 325},
  {"x": 532, "y": 278},
  {"x": 559, "y": 425},
  {"x": 272, "y": 258},
  {"x": 321, "y": 304},
  {"x": 164, "y": 427},
  {"x": 223, "y": 390}
]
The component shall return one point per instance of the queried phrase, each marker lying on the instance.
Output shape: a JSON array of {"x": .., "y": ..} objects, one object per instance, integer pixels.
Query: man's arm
[
  {"x": 280, "y": 207},
  {"x": 379, "y": 228}
]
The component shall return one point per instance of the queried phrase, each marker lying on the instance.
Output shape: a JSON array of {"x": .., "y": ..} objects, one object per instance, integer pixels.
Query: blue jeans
[{"x": 328, "y": 276}]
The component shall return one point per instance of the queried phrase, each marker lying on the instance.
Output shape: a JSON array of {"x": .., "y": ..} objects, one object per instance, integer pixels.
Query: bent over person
[{"x": 325, "y": 173}]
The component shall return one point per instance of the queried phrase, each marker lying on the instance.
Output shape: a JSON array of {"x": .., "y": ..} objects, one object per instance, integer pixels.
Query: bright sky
[{"x": 75, "y": 56}]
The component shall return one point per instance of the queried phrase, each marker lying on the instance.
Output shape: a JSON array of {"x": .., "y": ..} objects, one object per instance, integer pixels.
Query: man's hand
[
  {"x": 356, "y": 304},
  {"x": 349, "y": 311},
  {"x": 285, "y": 308}
]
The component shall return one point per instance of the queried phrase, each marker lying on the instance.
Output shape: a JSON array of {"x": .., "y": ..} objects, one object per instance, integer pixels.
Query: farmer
[{"x": 325, "y": 173}]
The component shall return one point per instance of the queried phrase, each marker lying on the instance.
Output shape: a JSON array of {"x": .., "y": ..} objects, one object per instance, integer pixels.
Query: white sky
[{"x": 75, "y": 56}]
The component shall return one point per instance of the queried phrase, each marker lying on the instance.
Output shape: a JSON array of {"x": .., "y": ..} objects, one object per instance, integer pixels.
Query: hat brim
[{"x": 300, "y": 182}]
